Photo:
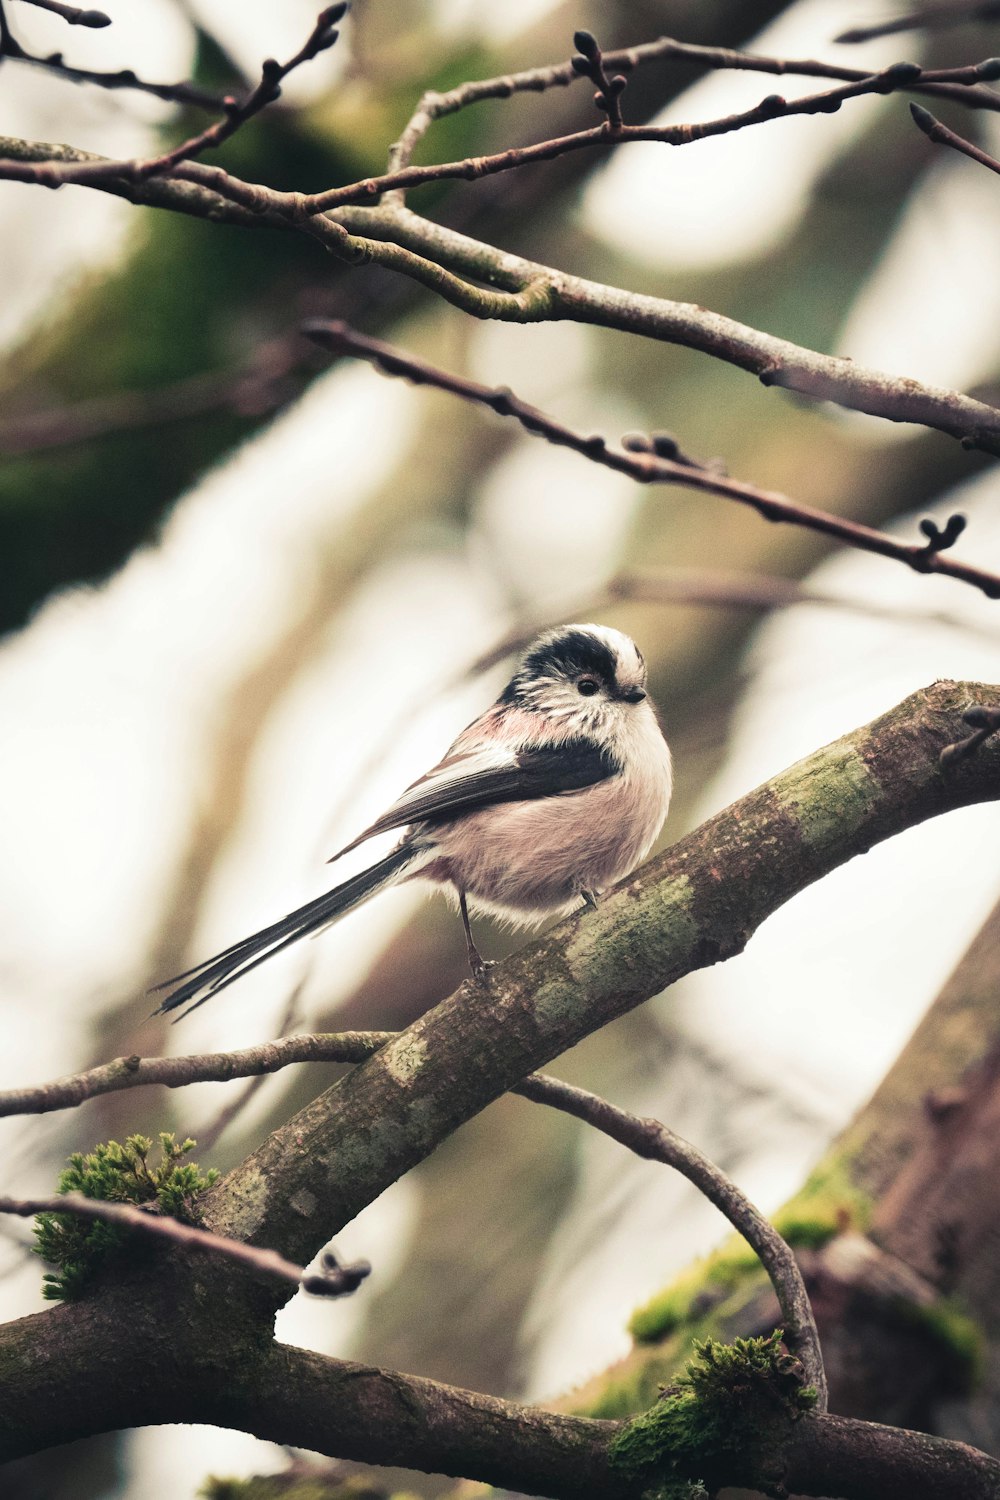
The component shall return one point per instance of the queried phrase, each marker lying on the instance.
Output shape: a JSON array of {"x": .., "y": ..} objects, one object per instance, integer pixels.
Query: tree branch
[
  {"x": 647, "y": 1138},
  {"x": 942, "y": 136},
  {"x": 962, "y": 85},
  {"x": 652, "y": 1140},
  {"x": 697, "y": 904},
  {"x": 775, "y": 361},
  {"x": 177, "y": 1072},
  {"x": 380, "y": 1416},
  {"x": 336, "y": 1280},
  {"x": 658, "y": 461},
  {"x": 488, "y": 283},
  {"x": 124, "y": 78}
]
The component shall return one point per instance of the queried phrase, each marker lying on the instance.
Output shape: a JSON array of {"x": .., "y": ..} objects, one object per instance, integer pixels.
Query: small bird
[{"x": 554, "y": 793}]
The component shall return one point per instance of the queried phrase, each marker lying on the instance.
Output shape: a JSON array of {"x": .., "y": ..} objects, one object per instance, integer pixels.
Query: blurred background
[{"x": 244, "y": 594}]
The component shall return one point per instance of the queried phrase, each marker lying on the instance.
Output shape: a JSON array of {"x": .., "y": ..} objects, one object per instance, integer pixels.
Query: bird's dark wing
[{"x": 487, "y": 774}]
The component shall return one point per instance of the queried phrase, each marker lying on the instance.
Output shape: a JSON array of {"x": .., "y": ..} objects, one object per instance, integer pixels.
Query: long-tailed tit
[{"x": 555, "y": 792}]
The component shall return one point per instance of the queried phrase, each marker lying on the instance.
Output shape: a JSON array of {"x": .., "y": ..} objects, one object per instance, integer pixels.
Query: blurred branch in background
[
  {"x": 271, "y": 379},
  {"x": 928, "y": 17}
]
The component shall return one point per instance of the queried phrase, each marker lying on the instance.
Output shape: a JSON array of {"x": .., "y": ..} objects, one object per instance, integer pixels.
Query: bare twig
[
  {"x": 590, "y": 62},
  {"x": 336, "y": 1280},
  {"x": 958, "y": 84},
  {"x": 926, "y": 18},
  {"x": 649, "y": 1139},
  {"x": 266, "y": 382},
  {"x": 179, "y": 160},
  {"x": 644, "y": 464},
  {"x": 602, "y": 137},
  {"x": 54, "y": 174},
  {"x": 942, "y": 136},
  {"x": 322, "y": 36},
  {"x": 124, "y": 78},
  {"x": 72, "y": 14},
  {"x": 175, "y": 1072}
]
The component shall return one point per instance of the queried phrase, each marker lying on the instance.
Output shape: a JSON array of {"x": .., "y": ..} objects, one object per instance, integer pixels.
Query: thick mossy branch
[
  {"x": 737, "y": 1398},
  {"x": 114, "y": 1173},
  {"x": 697, "y": 904}
]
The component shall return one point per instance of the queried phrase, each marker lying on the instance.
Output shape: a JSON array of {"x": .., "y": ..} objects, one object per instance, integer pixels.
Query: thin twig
[
  {"x": 149, "y": 1221},
  {"x": 176, "y": 1072},
  {"x": 179, "y": 161},
  {"x": 955, "y": 84},
  {"x": 72, "y": 14},
  {"x": 643, "y": 463},
  {"x": 323, "y": 35},
  {"x": 650, "y": 1139},
  {"x": 935, "y": 131},
  {"x": 54, "y": 174},
  {"x": 124, "y": 78}
]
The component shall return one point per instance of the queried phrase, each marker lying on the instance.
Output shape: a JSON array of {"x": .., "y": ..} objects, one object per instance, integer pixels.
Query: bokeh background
[{"x": 244, "y": 594}]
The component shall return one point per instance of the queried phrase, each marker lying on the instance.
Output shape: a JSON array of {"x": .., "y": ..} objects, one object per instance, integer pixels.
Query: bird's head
[{"x": 590, "y": 675}]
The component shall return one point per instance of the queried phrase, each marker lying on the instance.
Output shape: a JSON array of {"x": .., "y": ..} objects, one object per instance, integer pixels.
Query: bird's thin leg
[
  {"x": 477, "y": 963},
  {"x": 591, "y": 898}
]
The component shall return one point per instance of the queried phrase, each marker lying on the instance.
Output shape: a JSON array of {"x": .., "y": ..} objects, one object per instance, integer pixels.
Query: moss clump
[
  {"x": 733, "y": 1399},
  {"x": 694, "y": 1292},
  {"x": 958, "y": 1337},
  {"x": 115, "y": 1173},
  {"x": 826, "y": 1206}
]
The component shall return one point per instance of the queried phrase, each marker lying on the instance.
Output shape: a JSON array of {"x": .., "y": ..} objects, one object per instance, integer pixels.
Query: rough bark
[{"x": 695, "y": 905}]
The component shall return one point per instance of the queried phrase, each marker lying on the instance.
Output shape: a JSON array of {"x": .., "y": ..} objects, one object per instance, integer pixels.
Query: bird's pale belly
[{"x": 533, "y": 859}]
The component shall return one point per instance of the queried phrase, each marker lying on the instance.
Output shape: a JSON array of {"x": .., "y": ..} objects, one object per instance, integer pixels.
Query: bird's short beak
[{"x": 634, "y": 695}]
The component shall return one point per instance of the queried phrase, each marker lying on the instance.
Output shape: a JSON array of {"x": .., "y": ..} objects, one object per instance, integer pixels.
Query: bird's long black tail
[{"x": 206, "y": 979}]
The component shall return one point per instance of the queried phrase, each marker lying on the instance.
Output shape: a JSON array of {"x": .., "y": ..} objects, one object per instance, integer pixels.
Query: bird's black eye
[{"x": 587, "y": 686}]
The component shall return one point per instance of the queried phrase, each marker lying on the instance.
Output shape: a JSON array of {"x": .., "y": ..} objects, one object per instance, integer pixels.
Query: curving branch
[
  {"x": 653, "y": 1141},
  {"x": 647, "y": 1138}
]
